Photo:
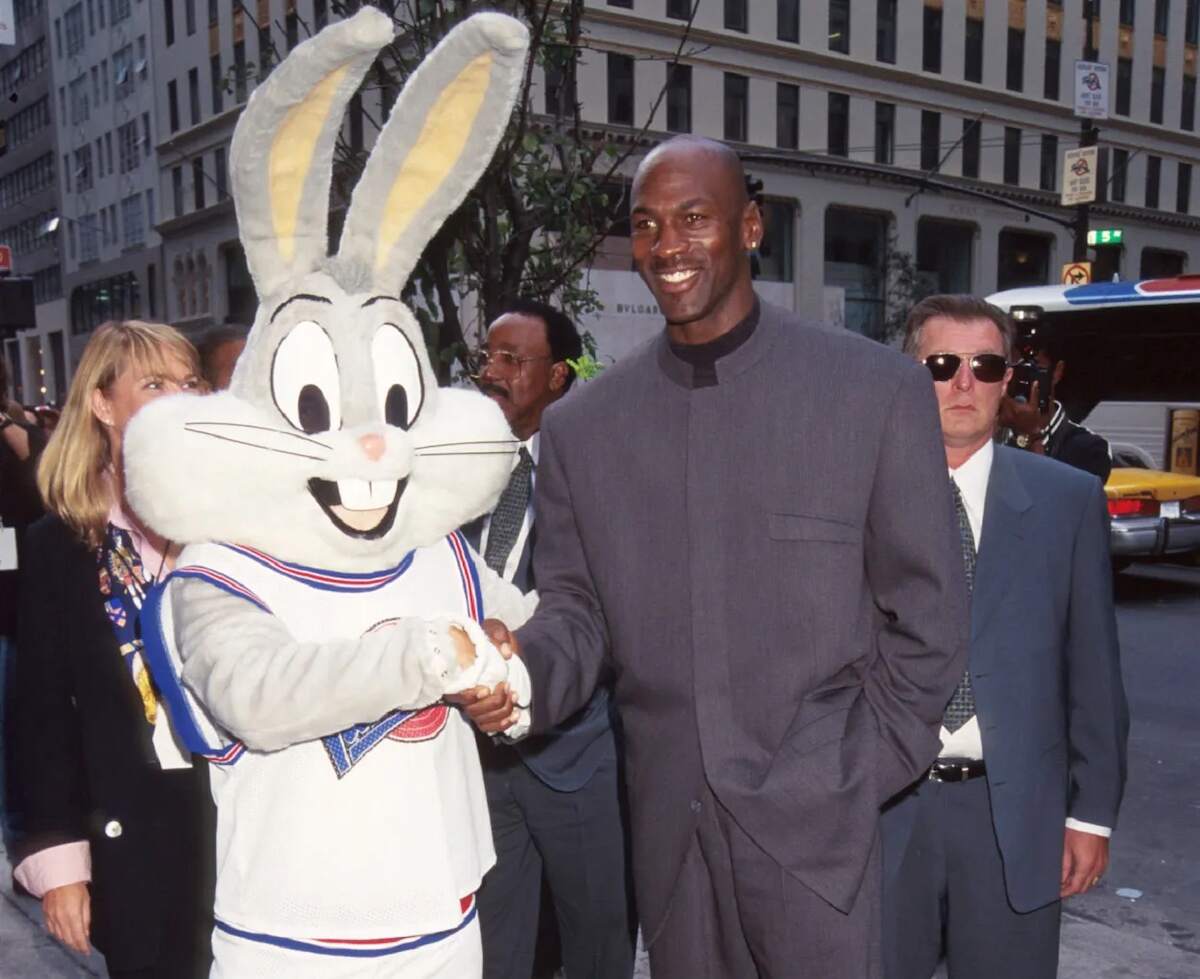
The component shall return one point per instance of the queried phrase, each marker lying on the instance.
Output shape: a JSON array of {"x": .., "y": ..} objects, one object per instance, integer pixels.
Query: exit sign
[{"x": 1106, "y": 236}]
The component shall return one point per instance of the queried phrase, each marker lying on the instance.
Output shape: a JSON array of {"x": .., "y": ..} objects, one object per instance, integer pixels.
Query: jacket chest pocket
[{"x": 803, "y": 527}]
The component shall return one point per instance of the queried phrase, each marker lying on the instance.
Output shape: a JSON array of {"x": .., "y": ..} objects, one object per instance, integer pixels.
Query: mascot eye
[
  {"x": 304, "y": 379},
  {"x": 399, "y": 385}
]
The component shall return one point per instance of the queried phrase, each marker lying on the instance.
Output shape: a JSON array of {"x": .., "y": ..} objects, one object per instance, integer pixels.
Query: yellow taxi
[{"x": 1153, "y": 513}]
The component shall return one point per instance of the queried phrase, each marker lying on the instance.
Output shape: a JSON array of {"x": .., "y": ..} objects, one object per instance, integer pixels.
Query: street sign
[
  {"x": 1091, "y": 90},
  {"x": 1106, "y": 236},
  {"x": 1079, "y": 176},
  {"x": 5, "y": 259},
  {"x": 1077, "y": 273}
]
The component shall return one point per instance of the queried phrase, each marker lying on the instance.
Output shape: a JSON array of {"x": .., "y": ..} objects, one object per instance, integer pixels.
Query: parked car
[{"x": 1154, "y": 514}]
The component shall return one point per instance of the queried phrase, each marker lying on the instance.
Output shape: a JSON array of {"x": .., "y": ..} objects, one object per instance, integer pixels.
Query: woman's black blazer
[{"x": 83, "y": 766}]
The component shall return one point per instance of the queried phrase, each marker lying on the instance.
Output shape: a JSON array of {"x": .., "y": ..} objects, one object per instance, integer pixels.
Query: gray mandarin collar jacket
[{"x": 771, "y": 567}]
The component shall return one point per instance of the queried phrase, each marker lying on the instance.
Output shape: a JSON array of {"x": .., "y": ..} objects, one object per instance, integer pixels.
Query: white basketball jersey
[{"x": 367, "y": 837}]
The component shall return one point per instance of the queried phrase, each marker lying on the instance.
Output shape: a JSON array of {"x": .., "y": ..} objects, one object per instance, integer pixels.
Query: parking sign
[{"x": 1091, "y": 89}]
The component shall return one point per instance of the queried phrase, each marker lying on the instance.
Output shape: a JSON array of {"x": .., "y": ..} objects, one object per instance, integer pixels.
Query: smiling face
[
  {"x": 692, "y": 226},
  {"x": 967, "y": 406},
  {"x": 332, "y": 447}
]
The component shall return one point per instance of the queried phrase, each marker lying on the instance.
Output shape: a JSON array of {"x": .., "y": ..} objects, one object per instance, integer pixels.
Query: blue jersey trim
[
  {"x": 158, "y": 660},
  {"x": 476, "y": 587},
  {"x": 297, "y": 945}
]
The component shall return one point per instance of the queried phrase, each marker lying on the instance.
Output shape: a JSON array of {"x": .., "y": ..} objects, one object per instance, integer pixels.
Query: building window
[
  {"x": 787, "y": 116},
  {"x": 885, "y": 31},
  {"x": 787, "y": 20},
  {"x": 168, "y": 20},
  {"x": 679, "y": 98},
  {"x": 1162, "y": 17},
  {"x": 194, "y": 95},
  {"x": 885, "y": 132},
  {"x": 1187, "y": 108},
  {"x": 198, "y": 183},
  {"x": 222, "y": 173},
  {"x": 218, "y": 84},
  {"x": 133, "y": 224},
  {"x": 931, "y": 139},
  {"x": 1191, "y": 23},
  {"x": 931, "y": 50},
  {"x": 620, "y": 89},
  {"x": 291, "y": 29},
  {"x": 679, "y": 9},
  {"x": 560, "y": 81},
  {"x": 128, "y": 150},
  {"x": 627, "y": 4},
  {"x": 839, "y": 26},
  {"x": 971, "y": 141},
  {"x": 1158, "y": 83},
  {"x": 1157, "y": 263},
  {"x": 944, "y": 255},
  {"x": 79, "y": 100},
  {"x": 122, "y": 62},
  {"x": 1050, "y": 83},
  {"x": 1124, "y": 85},
  {"x": 1153, "y": 179},
  {"x": 735, "y": 15},
  {"x": 120, "y": 10},
  {"x": 73, "y": 26},
  {"x": 214, "y": 17},
  {"x": 855, "y": 261},
  {"x": 1015, "y": 75},
  {"x": 177, "y": 190},
  {"x": 239, "y": 71},
  {"x": 89, "y": 238},
  {"x": 1183, "y": 189},
  {"x": 1024, "y": 260},
  {"x": 1012, "y": 155},
  {"x": 173, "y": 106},
  {"x": 1048, "y": 176},
  {"x": 776, "y": 250},
  {"x": 320, "y": 13},
  {"x": 150, "y": 208},
  {"x": 1125, "y": 13},
  {"x": 1117, "y": 179},
  {"x": 839, "y": 124},
  {"x": 189, "y": 16},
  {"x": 83, "y": 169},
  {"x": 736, "y": 99}
]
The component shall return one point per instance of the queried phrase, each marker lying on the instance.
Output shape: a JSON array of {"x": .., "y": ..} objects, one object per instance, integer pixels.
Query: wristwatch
[{"x": 1025, "y": 441}]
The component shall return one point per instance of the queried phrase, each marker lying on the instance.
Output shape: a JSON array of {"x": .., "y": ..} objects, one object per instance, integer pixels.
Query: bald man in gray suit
[{"x": 749, "y": 520}]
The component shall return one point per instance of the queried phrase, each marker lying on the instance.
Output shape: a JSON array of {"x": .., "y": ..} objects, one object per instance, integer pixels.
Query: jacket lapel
[{"x": 1002, "y": 544}]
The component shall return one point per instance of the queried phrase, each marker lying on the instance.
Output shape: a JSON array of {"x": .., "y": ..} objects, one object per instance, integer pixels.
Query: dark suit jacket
[
  {"x": 770, "y": 566},
  {"x": 1044, "y": 668},
  {"x": 566, "y": 757},
  {"x": 82, "y": 757}
]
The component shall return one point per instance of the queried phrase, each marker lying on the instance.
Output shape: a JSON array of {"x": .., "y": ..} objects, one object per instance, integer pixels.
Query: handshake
[{"x": 491, "y": 684}]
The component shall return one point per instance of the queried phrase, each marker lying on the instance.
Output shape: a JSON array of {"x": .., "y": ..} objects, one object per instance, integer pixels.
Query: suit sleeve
[
  {"x": 565, "y": 644},
  {"x": 914, "y": 570},
  {"x": 1097, "y": 715},
  {"x": 48, "y": 780}
]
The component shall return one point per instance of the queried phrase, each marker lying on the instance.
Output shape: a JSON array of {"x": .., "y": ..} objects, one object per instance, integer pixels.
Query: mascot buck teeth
[{"x": 325, "y": 604}]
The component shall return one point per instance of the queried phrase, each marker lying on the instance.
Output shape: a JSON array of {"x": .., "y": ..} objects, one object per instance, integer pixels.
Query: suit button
[
  {"x": 113, "y": 829},
  {"x": 694, "y": 805}
]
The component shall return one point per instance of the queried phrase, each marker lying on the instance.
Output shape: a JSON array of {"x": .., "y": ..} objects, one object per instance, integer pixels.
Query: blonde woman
[{"x": 118, "y": 849}]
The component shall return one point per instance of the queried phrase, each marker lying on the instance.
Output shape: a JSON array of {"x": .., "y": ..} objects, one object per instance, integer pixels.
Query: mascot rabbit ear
[
  {"x": 281, "y": 158},
  {"x": 436, "y": 144}
]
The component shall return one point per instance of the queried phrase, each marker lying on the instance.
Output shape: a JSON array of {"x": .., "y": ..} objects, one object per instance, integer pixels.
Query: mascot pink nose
[{"x": 372, "y": 446}]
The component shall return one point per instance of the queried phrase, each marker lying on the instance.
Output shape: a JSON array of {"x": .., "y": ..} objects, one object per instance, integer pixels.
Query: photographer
[{"x": 1037, "y": 422}]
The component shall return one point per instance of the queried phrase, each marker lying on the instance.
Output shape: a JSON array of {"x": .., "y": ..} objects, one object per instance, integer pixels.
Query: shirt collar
[
  {"x": 972, "y": 476},
  {"x": 531, "y": 445}
]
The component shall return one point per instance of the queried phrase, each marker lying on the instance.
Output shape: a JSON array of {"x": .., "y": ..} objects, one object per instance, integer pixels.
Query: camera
[{"x": 1027, "y": 371}]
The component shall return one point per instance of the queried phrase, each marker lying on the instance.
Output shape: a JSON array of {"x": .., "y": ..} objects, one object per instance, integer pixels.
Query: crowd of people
[{"x": 824, "y": 665}]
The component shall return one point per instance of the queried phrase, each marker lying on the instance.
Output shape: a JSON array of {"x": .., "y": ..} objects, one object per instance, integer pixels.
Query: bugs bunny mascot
[{"x": 304, "y": 644}]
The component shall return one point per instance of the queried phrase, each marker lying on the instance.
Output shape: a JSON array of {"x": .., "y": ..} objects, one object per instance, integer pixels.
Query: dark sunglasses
[{"x": 988, "y": 368}]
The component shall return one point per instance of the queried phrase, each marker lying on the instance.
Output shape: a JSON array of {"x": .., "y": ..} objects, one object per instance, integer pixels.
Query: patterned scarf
[{"x": 124, "y": 585}]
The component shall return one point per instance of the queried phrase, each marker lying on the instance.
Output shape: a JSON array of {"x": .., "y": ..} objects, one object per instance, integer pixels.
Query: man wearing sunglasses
[{"x": 1016, "y": 812}]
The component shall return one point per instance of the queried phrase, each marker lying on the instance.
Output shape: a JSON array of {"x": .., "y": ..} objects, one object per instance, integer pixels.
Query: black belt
[{"x": 956, "y": 769}]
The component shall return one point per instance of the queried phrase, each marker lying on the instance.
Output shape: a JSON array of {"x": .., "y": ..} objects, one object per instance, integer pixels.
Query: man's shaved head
[
  {"x": 692, "y": 229},
  {"x": 698, "y": 151}
]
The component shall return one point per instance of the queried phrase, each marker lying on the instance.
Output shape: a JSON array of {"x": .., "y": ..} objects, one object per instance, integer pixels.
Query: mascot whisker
[{"x": 325, "y": 604}]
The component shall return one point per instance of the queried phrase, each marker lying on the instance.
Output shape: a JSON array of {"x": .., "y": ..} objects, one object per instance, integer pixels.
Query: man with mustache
[
  {"x": 747, "y": 519},
  {"x": 554, "y": 798}
]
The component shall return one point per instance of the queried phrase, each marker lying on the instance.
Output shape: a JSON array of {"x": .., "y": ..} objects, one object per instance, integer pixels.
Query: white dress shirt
[
  {"x": 971, "y": 478},
  {"x": 514, "y": 556}
]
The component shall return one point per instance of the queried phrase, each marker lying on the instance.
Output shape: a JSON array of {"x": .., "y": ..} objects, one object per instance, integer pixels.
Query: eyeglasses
[
  {"x": 502, "y": 361},
  {"x": 988, "y": 368}
]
